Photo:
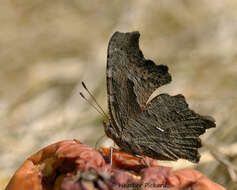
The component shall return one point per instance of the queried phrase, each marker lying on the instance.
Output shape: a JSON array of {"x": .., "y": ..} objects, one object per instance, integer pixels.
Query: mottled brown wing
[
  {"x": 165, "y": 128},
  {"x": 131, "y": 79},
  {"x": 168, "y": 129}
]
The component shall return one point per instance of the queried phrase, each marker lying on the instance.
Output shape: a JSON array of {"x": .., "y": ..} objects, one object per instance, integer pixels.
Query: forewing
[
  {"x": 131, "y": 79},
  {"x": 168, "y": 129}
]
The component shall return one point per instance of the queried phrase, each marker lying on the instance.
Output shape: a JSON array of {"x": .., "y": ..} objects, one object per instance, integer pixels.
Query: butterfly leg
[
  {"x": 144, "y": 159},
  {"x": 111, "y": 156}
]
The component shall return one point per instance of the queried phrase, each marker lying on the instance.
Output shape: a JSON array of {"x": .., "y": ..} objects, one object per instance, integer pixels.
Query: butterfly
[{"x": 163, "y": 128}]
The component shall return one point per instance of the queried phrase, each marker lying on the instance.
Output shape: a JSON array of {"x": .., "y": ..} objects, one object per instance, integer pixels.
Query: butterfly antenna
[
  {"x": 100, "y": 108},
  {"x": 82, "y": 95}
]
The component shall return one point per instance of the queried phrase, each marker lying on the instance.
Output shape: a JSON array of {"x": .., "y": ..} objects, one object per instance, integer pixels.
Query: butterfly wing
[
  {"x": 168, "y": 129},
  {"x": 165, "y": 128},
  {"x": 127, "y": 73}
]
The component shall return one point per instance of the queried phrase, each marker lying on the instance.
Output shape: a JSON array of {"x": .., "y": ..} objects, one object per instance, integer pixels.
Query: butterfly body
[{"x": 164, "y": 128}]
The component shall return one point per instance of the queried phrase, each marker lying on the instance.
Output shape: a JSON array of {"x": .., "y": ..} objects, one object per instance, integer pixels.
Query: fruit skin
[
  {"x": 44, "y": 163},
  {"x": 70, "y": 164}
]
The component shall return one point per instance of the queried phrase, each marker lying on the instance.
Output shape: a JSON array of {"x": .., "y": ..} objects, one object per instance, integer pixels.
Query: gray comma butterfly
[{"x": 163, "y": 128}]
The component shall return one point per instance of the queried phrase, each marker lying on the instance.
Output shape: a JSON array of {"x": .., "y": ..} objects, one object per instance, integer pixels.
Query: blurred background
[{"x": 48, "y": 47}]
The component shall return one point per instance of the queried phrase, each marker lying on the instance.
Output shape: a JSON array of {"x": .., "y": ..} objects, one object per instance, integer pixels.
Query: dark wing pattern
[
  {"x": 165, "y": 128},
  {"x": 127, "y": 75},
  {"x": 168, "y": 129}
]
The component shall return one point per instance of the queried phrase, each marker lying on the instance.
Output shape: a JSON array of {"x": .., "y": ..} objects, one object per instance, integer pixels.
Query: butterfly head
[{"x": 107, "y": 128}]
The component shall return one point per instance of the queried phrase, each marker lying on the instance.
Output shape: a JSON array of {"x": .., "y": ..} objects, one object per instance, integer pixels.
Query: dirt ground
[{"x": 48, "y": 47}]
